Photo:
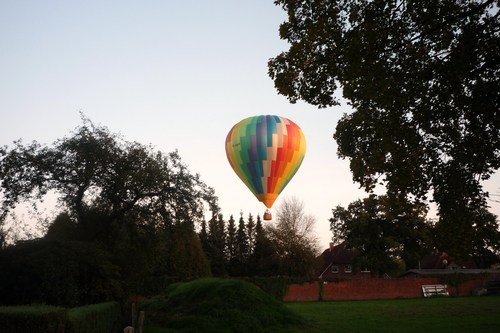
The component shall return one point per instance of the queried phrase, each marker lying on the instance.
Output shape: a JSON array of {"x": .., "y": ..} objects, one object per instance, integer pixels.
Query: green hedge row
[
  {"x": 96, "y": 318},
  {"x": 43, "y": 318}
]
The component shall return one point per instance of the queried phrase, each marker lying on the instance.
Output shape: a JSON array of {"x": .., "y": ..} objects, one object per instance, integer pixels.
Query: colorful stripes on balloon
[{"x": 265, "y": 152}]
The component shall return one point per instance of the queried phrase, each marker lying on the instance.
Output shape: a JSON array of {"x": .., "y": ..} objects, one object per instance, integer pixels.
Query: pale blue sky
[{"x": 176, "y": 74}]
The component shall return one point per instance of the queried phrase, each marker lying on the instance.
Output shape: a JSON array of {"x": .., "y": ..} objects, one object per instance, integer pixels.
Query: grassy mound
[{"x": 219, "y": 305}]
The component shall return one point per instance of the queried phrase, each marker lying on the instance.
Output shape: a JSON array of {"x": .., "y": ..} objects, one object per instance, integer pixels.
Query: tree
[
  {"x": 136, "y": 203},
  {"x": 422, "y": 78},
  {"x": 231, "y": 241},
  {"x": 293, "y": 238},
  {"x": 251, "y": 234},
  {"x": 185, "y": 259},
  {"x": 469, "y": 234},
  {"x": 203, "y": 235},
  {"x": 486, "y": 243},
  {"x": 64, "y": 273},
  {"x": 216, "y": 244},
  {"x": 385, "y": 229},
  {"x": 262, "y": 260},
  {"x": 94, "y": 168},
  {"x": 241, "y": 250},
  {"x": 3, "y": 233}
]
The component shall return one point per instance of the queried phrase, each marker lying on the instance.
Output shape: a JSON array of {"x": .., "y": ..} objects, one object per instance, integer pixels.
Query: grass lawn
[{"x": 446, "y": 314}]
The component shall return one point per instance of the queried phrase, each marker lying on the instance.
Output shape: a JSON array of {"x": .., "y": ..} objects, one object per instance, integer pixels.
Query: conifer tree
[
  {"x": 241, "y": 255},
  {"x": 203, "y": 235},
  {"x": 251, "y": 234},
  {"x": 261, "y": 261},
  {"x": 216, "y": 245},
  {"x": 231, "y": 241}
]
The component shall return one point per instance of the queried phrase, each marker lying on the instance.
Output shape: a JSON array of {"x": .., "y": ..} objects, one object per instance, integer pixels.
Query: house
[
  {"x": 442, "y": 260},
  {"x": 336, "y": 263},
  {"x": 440, "y": 263},
  {"x": 413, "y": 273}
]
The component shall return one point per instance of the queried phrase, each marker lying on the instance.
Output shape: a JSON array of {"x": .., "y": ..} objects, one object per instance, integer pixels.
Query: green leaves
[
  {"x": 422, "y": 78},
  {"x": 385, "y": 228},
  {"x": 95, "y": 168}
]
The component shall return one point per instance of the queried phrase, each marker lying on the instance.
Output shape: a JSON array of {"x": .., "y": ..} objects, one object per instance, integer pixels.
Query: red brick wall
[
  {"x": 302, "y": 292},
  {"x": 466, "y": 288},
  {"x": 358, "y": 289},
  {"x": 376, "y": 288}
]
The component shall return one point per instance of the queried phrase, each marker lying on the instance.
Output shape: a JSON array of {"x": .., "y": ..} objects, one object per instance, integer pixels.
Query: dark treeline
[
  {"x": 132, "y": 220},
  {"x": 247, "y": 248},
  {"x": 74, "y": 264}
]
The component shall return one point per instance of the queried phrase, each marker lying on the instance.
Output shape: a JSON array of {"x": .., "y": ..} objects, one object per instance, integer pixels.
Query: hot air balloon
[{"x": 265, "y": 152}]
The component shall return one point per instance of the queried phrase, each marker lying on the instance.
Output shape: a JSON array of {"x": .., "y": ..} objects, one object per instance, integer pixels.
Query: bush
[
  {"x": 33, "y": 319},
  {"x": 96, "y": 318},
  {"x": 218, "y": 305}
]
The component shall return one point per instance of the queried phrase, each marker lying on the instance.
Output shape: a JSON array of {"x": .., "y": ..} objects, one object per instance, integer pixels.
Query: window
[
  {"x": 335, "y": 269},
  {"x": 348, "y": 268}
]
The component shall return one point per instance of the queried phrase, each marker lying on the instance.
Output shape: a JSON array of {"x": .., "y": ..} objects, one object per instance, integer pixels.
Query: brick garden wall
[
  {"x": 302, "y": 292},
  {"x": 362, "y": 289},
  {"x": 466, "y": 288}
]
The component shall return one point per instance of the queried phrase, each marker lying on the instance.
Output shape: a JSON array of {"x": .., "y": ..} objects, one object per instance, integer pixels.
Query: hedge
[
  {"x": 96, "y": 318},
  {"x": 41, "y": 318}
]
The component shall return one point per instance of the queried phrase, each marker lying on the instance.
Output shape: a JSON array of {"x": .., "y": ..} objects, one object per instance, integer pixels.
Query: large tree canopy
[
  {"x": 384, "y": 229},
  {"x": 122, "y": 198},
  {"x": 422, "y": 78},
  {"x": 94, "y": 168}
]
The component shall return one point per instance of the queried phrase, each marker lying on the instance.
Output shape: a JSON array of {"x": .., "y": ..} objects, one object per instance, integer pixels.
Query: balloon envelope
[{"x": 265, "y": 152}]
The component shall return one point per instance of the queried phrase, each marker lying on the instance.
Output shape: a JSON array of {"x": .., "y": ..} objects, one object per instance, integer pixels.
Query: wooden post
[{"x": 140, "y": 324}]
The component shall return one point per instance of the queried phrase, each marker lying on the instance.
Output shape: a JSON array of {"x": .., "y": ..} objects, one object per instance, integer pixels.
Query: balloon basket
[{"x": 267, "y": 215}]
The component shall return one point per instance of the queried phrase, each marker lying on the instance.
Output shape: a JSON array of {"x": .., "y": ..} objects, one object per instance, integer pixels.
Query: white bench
[{"x": 435, "y": 290}]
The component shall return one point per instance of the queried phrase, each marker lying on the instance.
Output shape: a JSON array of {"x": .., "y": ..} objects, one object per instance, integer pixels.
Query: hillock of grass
[{"x": 219, "y": 305}]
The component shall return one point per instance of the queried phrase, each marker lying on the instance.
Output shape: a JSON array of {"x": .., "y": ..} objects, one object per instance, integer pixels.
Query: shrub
[
  {"x": 218, "y": 305},
  {"x": 96, "y": 318},
  {"x": 34, "y": 319}
]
